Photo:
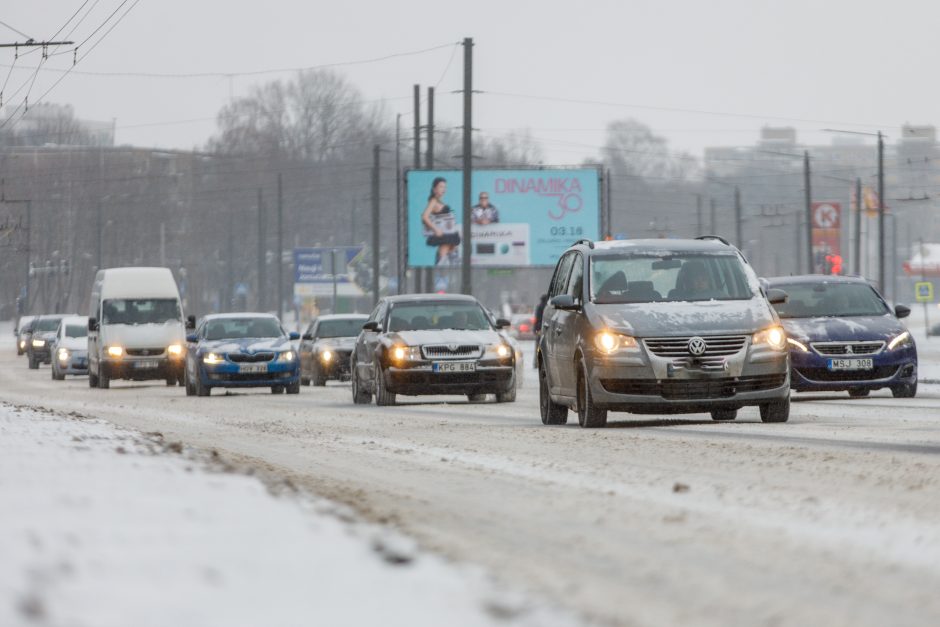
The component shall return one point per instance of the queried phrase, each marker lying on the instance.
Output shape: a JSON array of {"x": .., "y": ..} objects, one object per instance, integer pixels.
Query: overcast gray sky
[{"x": 858, "y": 64}]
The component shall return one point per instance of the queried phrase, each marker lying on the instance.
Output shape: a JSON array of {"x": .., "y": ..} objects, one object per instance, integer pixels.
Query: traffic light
[{"x": 833, "y": 264}]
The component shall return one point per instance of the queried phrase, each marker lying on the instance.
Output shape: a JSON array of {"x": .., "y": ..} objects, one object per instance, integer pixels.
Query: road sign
[{"x": 923, "y": 290}]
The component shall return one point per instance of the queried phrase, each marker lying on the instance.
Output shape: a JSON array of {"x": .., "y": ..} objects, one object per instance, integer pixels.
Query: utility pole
[
  {"x": 465, "y": 270},
  {"x": 698, "y": 215},
  {"x": 429, "y": 164},
  {"x": 375, "y": 224},
  {"x": 419, "y": 272},
  {"x": 609, "y": 208},
  {"x": 738, "y": 219},
  {"x": 881, "y": 213},
  {"x": 857, "y": 243},
  {"x": 280, "y": 248},
  {"x": 402, "y": 253},
  {"x": 262, "y": 279},
  {"x": 99, "y": 226},
  {"x": 807, "y": 189},
  {"x": 713, "y": 216}
]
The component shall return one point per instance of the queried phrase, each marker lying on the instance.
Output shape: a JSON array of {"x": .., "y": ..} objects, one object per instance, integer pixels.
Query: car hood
[
  {"x": 247, "y": 345},
  {"x": 49, "y": 336},
  {"x": 347, "y": 343},
  {"x": 843, "y": 329},
  {"x": 143, "y": 335},
  {"x": 444, "y": 336},
  {"x": 74, "y": 343},
  {"x": 686, "y": 318}
]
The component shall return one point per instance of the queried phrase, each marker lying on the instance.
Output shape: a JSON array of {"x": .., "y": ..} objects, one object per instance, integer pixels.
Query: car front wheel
[
  {"x": 360, "y": 396},
  {"x": 908, "y": 390},
  {"x": 552, "y": 412},
  {"x": 590, "y": 416},
  {"x": 382, "y": 395},
  {"x": 777, "y": 411}
]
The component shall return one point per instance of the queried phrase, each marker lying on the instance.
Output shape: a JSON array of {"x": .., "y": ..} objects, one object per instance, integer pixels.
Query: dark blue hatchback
[{"x": 844, "y": 336}]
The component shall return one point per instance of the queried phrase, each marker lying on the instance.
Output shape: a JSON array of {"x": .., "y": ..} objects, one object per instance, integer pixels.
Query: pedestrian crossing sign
[{"x": 923, "y": 290}]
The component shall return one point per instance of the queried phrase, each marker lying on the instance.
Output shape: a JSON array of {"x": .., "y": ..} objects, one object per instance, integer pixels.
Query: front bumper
[
  {"x": 337, "y": 367},
  {"x": 810, "y": 373},
  {"x": 142, "y": 368},
  {"x": 228, "y": 375},
  {"x": 43, "y": 355},
  {"x": 420, "y": 379},
  {"x": 76, "y": 364}
]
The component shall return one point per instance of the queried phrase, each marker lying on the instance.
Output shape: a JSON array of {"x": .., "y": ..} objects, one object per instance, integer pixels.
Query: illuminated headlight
[
  {"x": 286, "y": 356},
  {"x": 499, "y": 351},
  {"x": 39, "y": 343},
  {"x": 212, "y": 359},
  {"x": 405, "y": 353},
  {"x": 798, "y": 345},
  {"x": 609, "y": 342},
  {"x": 63, "y": 355},
  {"x": 174, "y": 350},
  {"x": 901, "y": 341},
  {"x": 115, "y": 351},
  {"x": 326, "y": 356},
  {"x": 774, "y": 337},
  {"x": 22, "y": 343}
]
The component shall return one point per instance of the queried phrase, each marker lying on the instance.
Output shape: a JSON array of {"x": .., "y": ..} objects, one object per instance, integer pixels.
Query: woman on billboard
[{"x": 440, "y": 225}]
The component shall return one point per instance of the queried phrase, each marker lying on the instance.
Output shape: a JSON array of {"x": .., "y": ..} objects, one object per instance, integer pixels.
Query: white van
[{"x": 135, "y": 327}]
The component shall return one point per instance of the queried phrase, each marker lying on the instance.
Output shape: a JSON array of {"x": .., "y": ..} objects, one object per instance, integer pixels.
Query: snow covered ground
[{"x": 103, "y": 526}]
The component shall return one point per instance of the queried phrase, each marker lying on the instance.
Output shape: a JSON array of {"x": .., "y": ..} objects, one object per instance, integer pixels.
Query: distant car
[
  {"x": 844, "y": 336},
  {"x": 39, "y": 347},
  {"x": 70, "y": 348},
  {"x": 22, "y": 332},
  {"x": 432, "y": 344},
  {"x": 326, "y": 347},
  {"x": 239, "y": 351},
  {"x": 522, "y": 326}
]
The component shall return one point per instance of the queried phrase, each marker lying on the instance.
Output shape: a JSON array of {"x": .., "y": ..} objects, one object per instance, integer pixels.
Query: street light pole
[
  {"x": 807, "y": 187},
  {"x": 881, "y": 212}
]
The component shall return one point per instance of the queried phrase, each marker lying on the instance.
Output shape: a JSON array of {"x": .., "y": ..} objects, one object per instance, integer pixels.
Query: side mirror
[
  {"x": 565, "y": 302},
  {"x": 192, "y": 338},
  {"x": 902, "y": 311},
  {"x": 190, "y": 322},
  {"x": 502, "y": 323},
  {"x": 307, "y": 337},
  {"x": 777, "y": 297},
  {"x": 92, "y": 324},
  {"x": 372, "y": 326},
  {"x": 293, "y": 335}
]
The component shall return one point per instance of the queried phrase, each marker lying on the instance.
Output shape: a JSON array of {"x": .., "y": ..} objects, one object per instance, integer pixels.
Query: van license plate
[
  {"x": 454, "y": 366},
  {"x": 252, "y": 368},
  {"x": 146, "y": 365},
  {"x": 851, "y": 364}
]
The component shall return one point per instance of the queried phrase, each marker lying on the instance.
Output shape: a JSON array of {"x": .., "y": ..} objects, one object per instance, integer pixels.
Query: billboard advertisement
[
  {"x": 314, "y": 275},
  {"x": 524, "y": 217},
  {"x": 827, "y": 254}
]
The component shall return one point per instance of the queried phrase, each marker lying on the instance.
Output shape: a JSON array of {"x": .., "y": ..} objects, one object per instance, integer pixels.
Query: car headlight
[
  {"x": 174, "y": 350},
  {"x": 212, "y": 359},
  {"x": 609, "y": 342},
  {"x": 39, "y": 343},
  {"x": 400, "y": 353},
  {"x": 499, "y": 351},
  {"x": 286, "y": 356},
  {"x": 774, "y": 337},
  {"x": 22, "y": 343},
  {"x": 326, "y": 356},
  {"x": 115, "y": 351},
  {"x": 901, "y": 341},
  {"x": 63, "y": 354},
  {"x": 797, "y": 344}
]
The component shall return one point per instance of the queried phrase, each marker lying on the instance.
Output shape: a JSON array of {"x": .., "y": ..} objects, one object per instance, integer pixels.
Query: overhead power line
[{"x": 18, "y": 32}]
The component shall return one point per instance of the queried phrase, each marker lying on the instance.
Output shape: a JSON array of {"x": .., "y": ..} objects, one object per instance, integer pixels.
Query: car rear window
[{"x": 818, "y": 300}]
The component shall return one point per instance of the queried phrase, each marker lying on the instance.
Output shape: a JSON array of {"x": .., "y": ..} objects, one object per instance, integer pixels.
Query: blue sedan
[
  {"x": 844, "y": 336},
  {"x": 240, "y": 351}
]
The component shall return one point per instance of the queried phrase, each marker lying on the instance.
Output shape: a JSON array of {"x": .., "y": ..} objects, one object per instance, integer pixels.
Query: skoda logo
[
  {"x": 452, "y": 347},
  {"x": 697, "y": 346}
]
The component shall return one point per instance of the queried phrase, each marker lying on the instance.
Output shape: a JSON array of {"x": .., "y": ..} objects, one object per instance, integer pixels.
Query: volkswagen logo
[{"x": 697, "y": 346}]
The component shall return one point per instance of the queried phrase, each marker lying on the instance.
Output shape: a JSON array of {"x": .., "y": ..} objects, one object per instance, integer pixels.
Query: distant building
[{"x": 48, "y": 124}]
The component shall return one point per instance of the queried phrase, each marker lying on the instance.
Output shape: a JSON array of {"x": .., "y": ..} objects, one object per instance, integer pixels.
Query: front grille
[
  {"x": 238, "y": 376},
  {"x": 822, "y": 374},
  {"x": 249, "y": 358},
  {"x": 694, "y": 389},
  {"x": 145, "y": 352},
  {"x": 715, "y": 345},
  {"x": 452, "y": 351},
  {"x": 847, "y": 348}
]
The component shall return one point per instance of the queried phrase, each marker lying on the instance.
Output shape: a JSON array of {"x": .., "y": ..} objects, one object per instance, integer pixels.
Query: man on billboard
[{"x": 483, "y": 212}]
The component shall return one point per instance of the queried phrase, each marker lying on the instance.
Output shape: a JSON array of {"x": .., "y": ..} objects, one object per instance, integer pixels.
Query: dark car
[
  {"x": 22, "y": 332},
  {"x": 326, "y": 347},
  {"x": 241, "y": 351},
  {"x": 844, "y": 336},
  {"x": 659, "y": 326},
  {"x": 432, "y": 344},
  {"x": 42, "y": 337},
  {"x": 522, "y": 326}
]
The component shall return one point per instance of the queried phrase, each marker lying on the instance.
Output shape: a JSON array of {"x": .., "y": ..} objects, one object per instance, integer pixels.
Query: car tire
[
  {"x": 201, "y": 388},
  {"x": 92, "y": 379},
  {"x": 360, "y": 396},
  {"x": 552, "y": 412},
  {"x": 724, "y": 414},
  {"x": 590, "y": 416},
  {"x": 56, "y": 375},
  {"x": 859, "y": 392},
  {"x": 509, "y": 396},
  {"x": 277, "y": 389},
  {"x": 383, "y": 397},
  {"x": 318, "y": 378},
  {"x": 777, "y": 411},
  {"x": 476, "y": 398},
  {"x": 293, "y": 388},
  {"x": 33, "y": 362},
  {"x": 171, "y": 381},
  {"x": 305, "y": 381},
  {"x": 906, "y": 390},
  {"x": 190, "y": 389}
]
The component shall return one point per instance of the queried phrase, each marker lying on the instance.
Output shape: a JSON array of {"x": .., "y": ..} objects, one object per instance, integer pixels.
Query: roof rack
[
  {"x": 717, "y": 237},
  {"x": 584, "y": 240}
]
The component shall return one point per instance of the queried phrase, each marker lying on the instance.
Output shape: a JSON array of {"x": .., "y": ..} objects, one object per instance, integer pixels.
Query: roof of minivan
[
  {"x": 138, "y": 283},
  {"x": 662, "y": 245}
]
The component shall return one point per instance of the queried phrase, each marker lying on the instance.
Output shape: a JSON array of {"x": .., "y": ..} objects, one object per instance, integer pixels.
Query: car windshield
[
  {"x": 76, "y": 330},
  {"x": 669, "y": 277},
  {"x": 815, "y": 300},
  {"x": 140, "y": 311},
  {"x": 347, "y": 327},
  {"x": 44, "y": 325},
  {"x": 238, "y": 328},
  {"x": 437, "y": 315}
]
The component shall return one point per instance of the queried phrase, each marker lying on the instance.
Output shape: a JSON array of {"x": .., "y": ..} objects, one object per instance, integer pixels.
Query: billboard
[
  {"x": 827, "y": 254},
  {"x": 524, "y": 217},
  {"x": 314, "y": 275}
]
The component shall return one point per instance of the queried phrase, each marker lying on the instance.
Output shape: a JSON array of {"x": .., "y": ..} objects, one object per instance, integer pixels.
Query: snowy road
[{"x": 833, "y": 518}]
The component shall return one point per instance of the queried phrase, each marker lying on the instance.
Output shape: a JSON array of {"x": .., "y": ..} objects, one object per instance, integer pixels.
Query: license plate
[
  {"x": 146, "y": 365},
  {"x": 851, "y": 364},
  {"x": 252, "y": 368},
  {"x": 454, "y": 366}
]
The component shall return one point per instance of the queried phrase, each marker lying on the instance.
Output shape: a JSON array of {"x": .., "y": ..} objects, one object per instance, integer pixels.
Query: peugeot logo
[
  {"x": 848, "y": 350},
  {"x": 697, "y": 346}
]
